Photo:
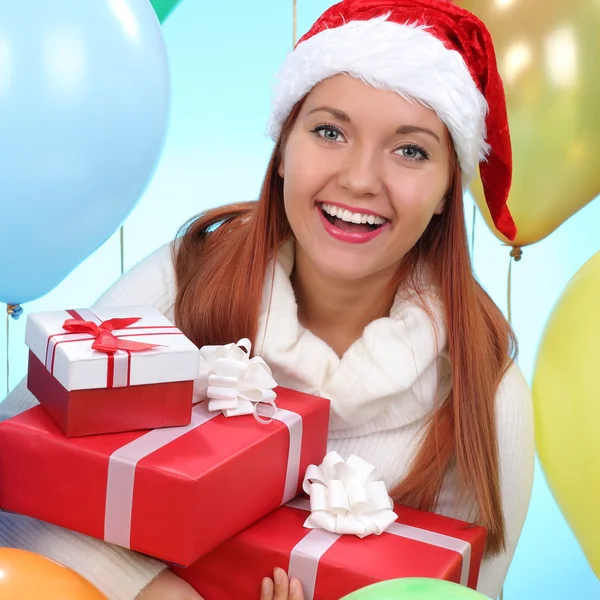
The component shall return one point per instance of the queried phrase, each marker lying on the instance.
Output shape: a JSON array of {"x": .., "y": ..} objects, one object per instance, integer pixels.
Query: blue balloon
[{"x": 84, "y": 106}]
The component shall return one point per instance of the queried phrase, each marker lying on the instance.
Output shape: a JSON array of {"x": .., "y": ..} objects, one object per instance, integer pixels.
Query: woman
[{"x": 352, "y": 276}]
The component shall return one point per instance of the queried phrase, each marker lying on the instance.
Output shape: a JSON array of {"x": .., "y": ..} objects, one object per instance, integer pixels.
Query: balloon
[
  {"x": 163, "y": 8},
  {"x": 566, "y": 394},
  {"x": 84, "y": 102},
  {"x": 33, "y": 577},
  {"x": 548, "y": 57},
  {"x": 415, "y": 588}
]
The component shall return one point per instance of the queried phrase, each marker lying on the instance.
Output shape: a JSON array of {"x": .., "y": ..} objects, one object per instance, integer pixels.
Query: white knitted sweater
[{"x": 381, "y": 390}]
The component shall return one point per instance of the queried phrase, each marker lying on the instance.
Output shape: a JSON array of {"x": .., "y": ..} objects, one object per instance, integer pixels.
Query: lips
[{"x": 349, "y": 231}]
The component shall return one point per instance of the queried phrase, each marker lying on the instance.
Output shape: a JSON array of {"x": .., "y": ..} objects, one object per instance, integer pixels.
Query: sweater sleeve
[
  {"x": 516, "y": 446},
  {"x": 119, "y": 573}
]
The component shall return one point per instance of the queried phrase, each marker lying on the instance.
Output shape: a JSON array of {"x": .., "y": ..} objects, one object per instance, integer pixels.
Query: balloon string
[
  {"x": 14, "y": 311},
  {"x": 7, "y": 354},
  {"x": 516, "y": 253},
  {"x": 294, "y": 22},
  {"x": 122, "y": 248},
  {"x": 473, "y": 231}
]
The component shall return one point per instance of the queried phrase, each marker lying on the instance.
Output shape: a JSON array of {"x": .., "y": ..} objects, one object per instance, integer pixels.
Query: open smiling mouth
[{"x": 351, "y": 221}]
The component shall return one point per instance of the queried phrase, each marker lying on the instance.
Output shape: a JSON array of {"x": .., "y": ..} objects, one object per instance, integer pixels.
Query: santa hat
[{"x": 431, "y": 51}]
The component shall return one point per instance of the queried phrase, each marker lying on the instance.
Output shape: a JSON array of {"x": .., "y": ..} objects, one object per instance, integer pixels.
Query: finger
[
  {"x": 296, "y": 592},
  {"x": 281, "y": 584},
  {"x": 266, "y": 589}
]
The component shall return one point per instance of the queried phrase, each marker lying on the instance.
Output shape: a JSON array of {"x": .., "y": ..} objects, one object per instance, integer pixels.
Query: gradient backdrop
[{"x": 223, "y": 56}]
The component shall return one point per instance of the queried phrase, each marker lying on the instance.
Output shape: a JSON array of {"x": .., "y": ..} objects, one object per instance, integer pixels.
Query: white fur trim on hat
[{"x": 403, "y": 58}]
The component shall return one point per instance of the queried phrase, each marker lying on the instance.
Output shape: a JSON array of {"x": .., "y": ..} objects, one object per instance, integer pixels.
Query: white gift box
[{"x": 70, "y": 358}]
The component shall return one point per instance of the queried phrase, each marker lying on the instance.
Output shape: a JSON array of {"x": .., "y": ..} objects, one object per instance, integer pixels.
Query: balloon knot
[
  {"x": 14, "y": 310},
  {"x": 516, "y": 253}
]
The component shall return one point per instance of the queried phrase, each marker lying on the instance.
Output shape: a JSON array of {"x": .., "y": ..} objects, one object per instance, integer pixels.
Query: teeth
[{"x": 350, "y": 217}]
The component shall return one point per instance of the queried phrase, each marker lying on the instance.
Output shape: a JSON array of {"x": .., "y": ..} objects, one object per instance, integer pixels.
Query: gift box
[
  {"x": 173, "y": 493},
  {"x": 330, "y": 565},
  {"x": 111, "y": 370}
]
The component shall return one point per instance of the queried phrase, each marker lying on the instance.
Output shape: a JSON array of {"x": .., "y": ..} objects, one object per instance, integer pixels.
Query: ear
[{"x": 281, "y": 168}]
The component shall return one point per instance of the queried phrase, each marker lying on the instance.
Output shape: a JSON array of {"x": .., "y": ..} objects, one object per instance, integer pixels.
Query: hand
[
  {"x": 167, "y": 586},
  {"x": 281, "y": 587}
]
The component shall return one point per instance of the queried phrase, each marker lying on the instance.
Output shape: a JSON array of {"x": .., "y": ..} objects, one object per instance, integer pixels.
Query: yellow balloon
[
  {"x": 548, "y": 56},
  {"x": 566, "y": 391}
]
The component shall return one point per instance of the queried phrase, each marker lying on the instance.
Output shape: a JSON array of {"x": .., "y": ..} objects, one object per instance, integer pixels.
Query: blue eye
[
  {"x": 413, "y": 152},
  {"x": 329, "y": 133}
]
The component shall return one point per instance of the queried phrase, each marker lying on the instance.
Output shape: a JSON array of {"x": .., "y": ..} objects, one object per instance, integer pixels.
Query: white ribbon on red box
[
  {"x": 122, "y": 466},
  {"x": 306, "y": 554},
  {"x": 234, "y": 383},
  {"x": 349, "y": 498}
]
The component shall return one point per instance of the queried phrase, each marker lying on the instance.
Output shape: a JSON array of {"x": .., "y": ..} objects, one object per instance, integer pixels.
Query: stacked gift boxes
[{"x": 118, "y": 451}]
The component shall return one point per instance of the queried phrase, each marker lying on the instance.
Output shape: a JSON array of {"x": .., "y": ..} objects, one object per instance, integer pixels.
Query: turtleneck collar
[{"x": 389, "y": 377}]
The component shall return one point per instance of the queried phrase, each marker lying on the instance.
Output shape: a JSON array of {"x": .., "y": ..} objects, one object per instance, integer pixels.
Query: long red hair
[{"x": 221, "y": 259}]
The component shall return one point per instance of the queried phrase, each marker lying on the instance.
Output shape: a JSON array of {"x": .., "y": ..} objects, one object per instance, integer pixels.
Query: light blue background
[{"x": 222, "y": 57}]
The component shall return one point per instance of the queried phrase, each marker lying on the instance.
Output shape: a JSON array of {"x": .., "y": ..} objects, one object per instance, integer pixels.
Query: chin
[
  {"x": 343, "y": 270},
  {"x": 339, "y": 261}
]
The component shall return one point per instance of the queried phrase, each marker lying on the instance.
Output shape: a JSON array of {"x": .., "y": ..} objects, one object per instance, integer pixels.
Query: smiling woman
[
  {"x": 352, "y": 276},
  {"x": 354, "y": 262}
]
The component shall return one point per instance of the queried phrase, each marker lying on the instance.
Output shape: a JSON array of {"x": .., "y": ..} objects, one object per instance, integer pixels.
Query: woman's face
[{"x": 364, "y": 172}]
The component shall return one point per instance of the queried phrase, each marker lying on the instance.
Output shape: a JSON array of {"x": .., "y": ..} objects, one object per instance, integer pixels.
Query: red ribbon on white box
[
  {"x": 305, "y": 556},
  {"x": 122, "y": 464},
  {"x": 118, "y": 365}
]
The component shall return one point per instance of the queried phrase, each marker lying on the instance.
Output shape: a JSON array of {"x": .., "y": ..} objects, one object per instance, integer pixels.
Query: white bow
[
  {"x": 233, "y": 382},
  {"x": 347, "y": 497}
]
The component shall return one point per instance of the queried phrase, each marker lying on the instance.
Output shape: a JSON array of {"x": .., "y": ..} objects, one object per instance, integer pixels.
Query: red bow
[{"x": 105, "y": 340}]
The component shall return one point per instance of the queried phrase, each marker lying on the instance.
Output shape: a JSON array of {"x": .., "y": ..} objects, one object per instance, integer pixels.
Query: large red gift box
[
  {"x": 329, "y": 565},
  {"x": 173, "y": 493},
  {"x": 111, "y": 370}
]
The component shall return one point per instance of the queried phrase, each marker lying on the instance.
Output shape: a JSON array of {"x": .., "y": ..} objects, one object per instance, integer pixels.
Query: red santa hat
[{"x": 430, "y": 51}]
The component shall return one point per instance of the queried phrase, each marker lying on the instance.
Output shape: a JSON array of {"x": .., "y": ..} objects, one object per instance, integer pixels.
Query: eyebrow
[
  {"x": 340, "y": 115},
  {"x": 404, "y": 129}
]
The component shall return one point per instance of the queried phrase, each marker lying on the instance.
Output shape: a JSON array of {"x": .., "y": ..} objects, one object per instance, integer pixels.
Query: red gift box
[
  {"x": 124, "y": 386},
  {"x": 329, "y": 565},
  {"x": 92, "y": 412},
  {"x": 173, "y": 493}
]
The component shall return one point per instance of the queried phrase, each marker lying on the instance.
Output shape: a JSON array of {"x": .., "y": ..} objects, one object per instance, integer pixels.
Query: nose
[{"x": 360, "y": 173}]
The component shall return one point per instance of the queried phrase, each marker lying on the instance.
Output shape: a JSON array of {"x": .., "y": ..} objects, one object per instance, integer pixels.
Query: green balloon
[
  {"x": 415, "y": 588},
  {"x": 163, "y": 8}
]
